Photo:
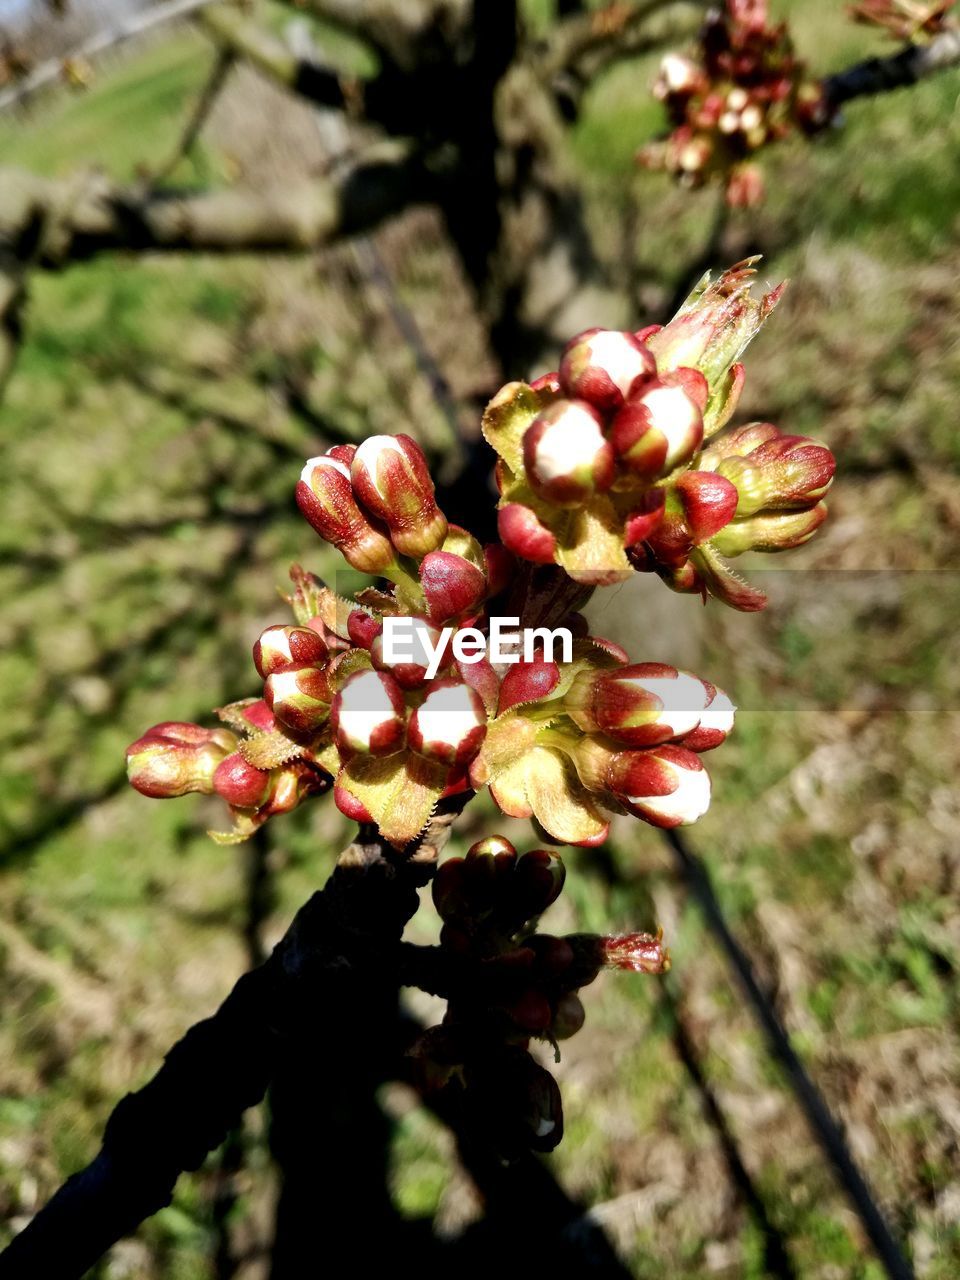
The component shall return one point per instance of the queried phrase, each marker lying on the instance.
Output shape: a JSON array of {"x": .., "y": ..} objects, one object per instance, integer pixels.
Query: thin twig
[
  {"x": 819, "y": 1117},
  {"x": 129, "y": 28},
  {"x": 222, "y": 65}
]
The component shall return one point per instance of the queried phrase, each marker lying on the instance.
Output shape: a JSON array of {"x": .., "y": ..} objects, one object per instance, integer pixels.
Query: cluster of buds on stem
[
  {"x": 603, "y": 736},
  {"x": 175, "y": 758},
  {"x": 743, "y": 90},
  {"x": 510, "y": 985},
  {"x": 608, "y": 464}
]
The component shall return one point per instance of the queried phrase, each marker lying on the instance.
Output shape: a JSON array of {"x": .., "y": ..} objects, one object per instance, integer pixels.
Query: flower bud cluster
[
  {"x": 373, "y": 502},
  {"x": 173, "y": 759},
  {"x": 516, "y": 984},
  {"x": 744, "y": 90},
  {"x": 603, "y": 465},
  {"x": 755, "y": 489},
  {"x": 574, "y": 744}
]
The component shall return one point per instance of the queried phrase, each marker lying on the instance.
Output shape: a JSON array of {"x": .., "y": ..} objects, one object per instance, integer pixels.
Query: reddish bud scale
[
  {"x": 392, "y": 480},
  {"x": 240, "y": 784},
  {"x": 640, "y": 705},
  {"x": 527, "y": 682},
  {"x": 259, "y": 716},
  {"x": 281, "y": 647},
  {"x": 522, "y": 532},
  {"x": 565, "y": 454},
  {"x": 368, "y": 715},
  {"x": 450, "y": 724},
  {"x": 452, "y": 586},
  {"x": 363, "y": 628},
  {"x": 605, "y": 367},
  {"x": 636, "y": 952},
  {"x": 661, "y": 428},
  {"x": 667, "y": 786},
  {"x": 644, "y": 521},
  {"x": 547, "y": 383},
  {"x": 299, "y": 697},
  {"x": 175, "y": 758},
  {"x": 325, "y": 497}
]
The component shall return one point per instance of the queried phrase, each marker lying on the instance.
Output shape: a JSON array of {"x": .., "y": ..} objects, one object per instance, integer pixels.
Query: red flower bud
[
  {"x": 522, "y": 533},
  {"x": 661, "y": 428},
  {"x": 450, "y": 724},
  {"x": 666, "y": 786},
  {"x": 777, "y": 531},
  {"x": 716, "y": 722},
  {"x": 391, "y": 478},
  {"x": 771, "y": 470},
  {"x": 281, "y": 647},
  {"x": 492, "y": 846},
  {"x": 240, "y": 784},
  {"x": 527, "y": 682},
  {"x": 641, "y": 705},
  {"x": 499, "y": 565},
  {"x": 424, "y": 640},
  {"x": 488, "y": 873},
  {"x": 369, "y": 715},
  {"x": 605, "y": 367},
  {"x": 325, "y": 497},
  {"x": 299, "y": 697},
  {"x": 530, "y": 1010},
  {"x": 259, "y": 716},
  {"x": 175, "y": 758},
  {"x": 363, "y": 628},
  {"x": 645, "y": 519},
  {"x": 565, "y": 454},
  {"x": 452, "y": 586},
  {"x": 709, "y": 502}
]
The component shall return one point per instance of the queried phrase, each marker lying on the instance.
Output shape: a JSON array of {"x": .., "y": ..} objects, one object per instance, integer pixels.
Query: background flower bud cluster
[
  {"x": 743, "y": 90},
  {"x": 618, "y": 461}
]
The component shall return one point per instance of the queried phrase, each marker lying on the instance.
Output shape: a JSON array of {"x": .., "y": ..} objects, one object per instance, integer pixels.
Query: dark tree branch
[
  {"x": 81, "y": 217},
  {"x": 328, "y": 965},
  {"x": 899, "y": 71}
]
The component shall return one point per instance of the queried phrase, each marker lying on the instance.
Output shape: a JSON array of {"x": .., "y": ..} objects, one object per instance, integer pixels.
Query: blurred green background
[{"x": 151, "y": 446}]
